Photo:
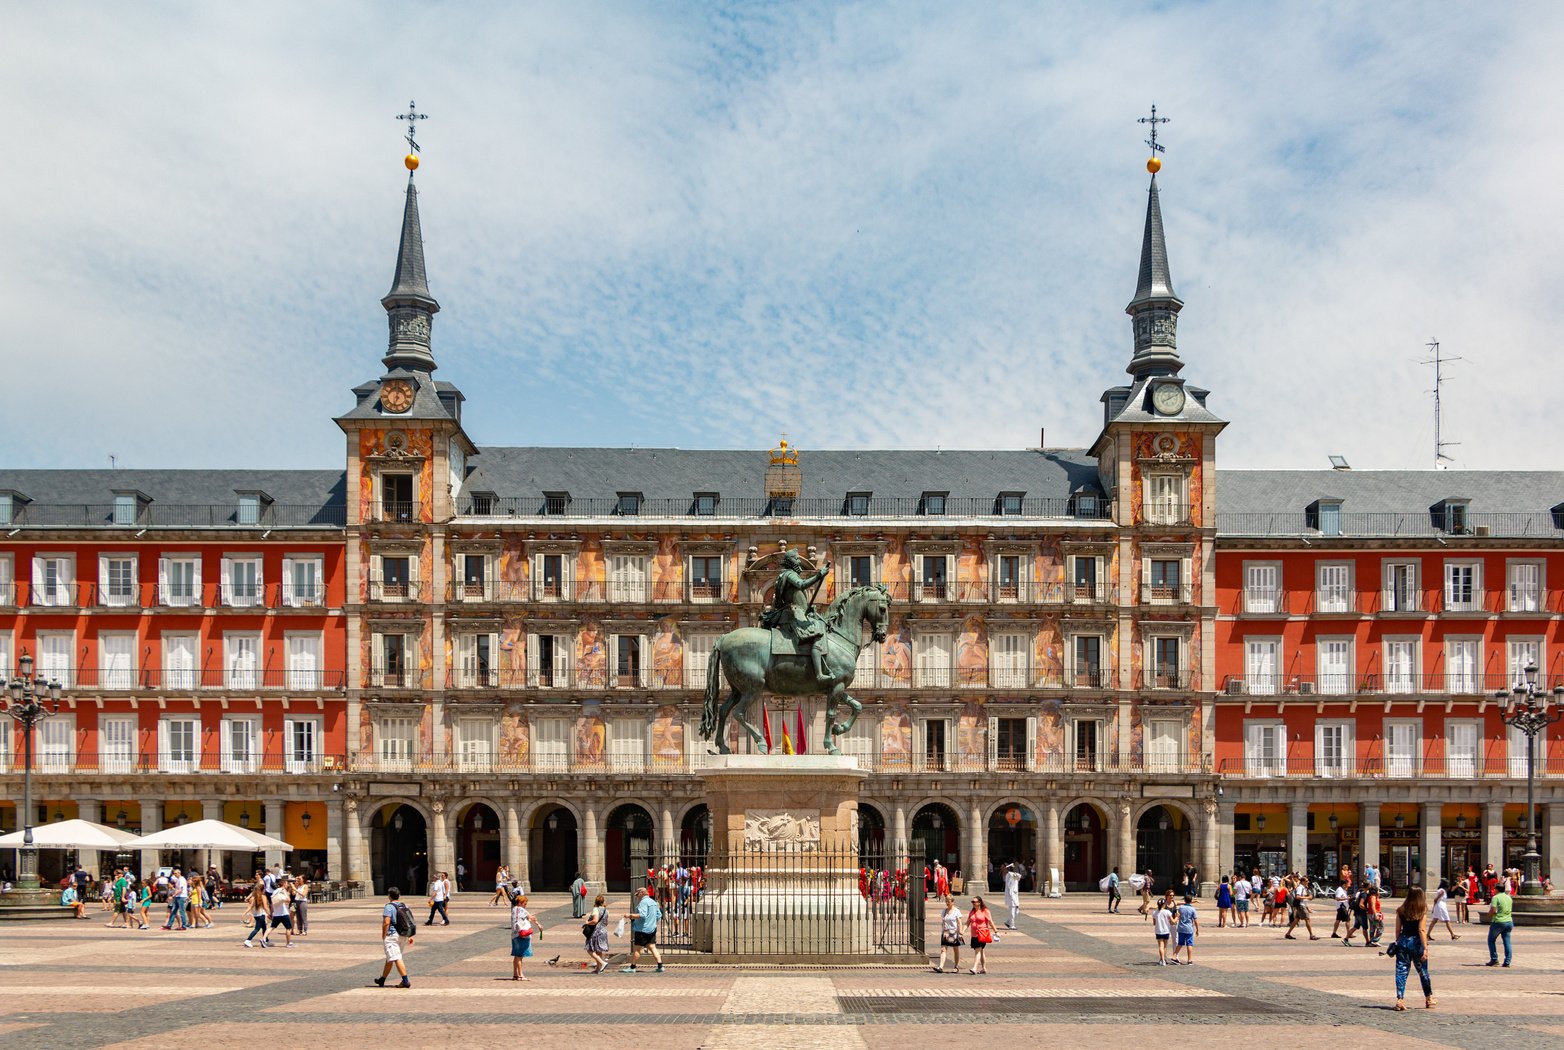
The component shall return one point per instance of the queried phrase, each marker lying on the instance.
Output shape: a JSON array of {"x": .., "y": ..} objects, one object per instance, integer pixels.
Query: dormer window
[
  {"x": 1086, "y": 505},
  {"x": 483, "y": 503},
  {"x": 629, "y": 503},
  {"x": 1009, "y": 503},
  {"x": 1558, "y": 515},
  {"x": 1451, "y": 516},
  {"x": 933, "y": 503},
  {"x": 252, "y": 507},
  {"x": 128, "y": 505},
  {"x": 858, "y": 504},
  {"x": 555, "y": 502},
  {"x": 1324, "y": 516},
  {"x": 706, "y": 504}
]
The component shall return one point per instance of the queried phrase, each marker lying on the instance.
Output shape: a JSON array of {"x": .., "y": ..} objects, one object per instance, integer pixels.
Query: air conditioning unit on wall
[{"x": 1235, "y": 687}]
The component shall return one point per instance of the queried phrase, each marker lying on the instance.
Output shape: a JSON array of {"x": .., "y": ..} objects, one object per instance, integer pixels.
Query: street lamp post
[
  {"x": 1526, "y": 708},
  {"x": 26, "y": 706}
]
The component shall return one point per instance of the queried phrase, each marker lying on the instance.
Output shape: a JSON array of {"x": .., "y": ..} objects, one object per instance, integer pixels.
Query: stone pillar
[
  {"x": 1551, "y": 842},
  {"x": 1298, "y": 836},
  {"x": 899, "y": 828},
  {"x": 151, "y": 820},
  {"x": 357, "y": 860},
  {"x": 441, "y": 849},
  {"x": 1432, "y": 830},
  {"x": 590, "y": 853},
  {"x": 1125, "y": 833},
  {"x": 976, "y": 868},
  {"x": 274, "y": 857},
  {"x": 1493, "y": 835},
  {"x": 1052, "y": 857},
  {"x": 1226, "y": 849},
  {"x": 667, "y": 841},
  {"x": 1368, "y": 834},
  {"x": 88, "y": 809},
  {"x": 336, "y": 835},
  {"x": 515, "y": 847},
  {"x": 1210, "y": 849}
]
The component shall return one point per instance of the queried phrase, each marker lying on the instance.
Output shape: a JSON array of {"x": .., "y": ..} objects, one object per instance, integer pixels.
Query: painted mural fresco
[
  {"x": 591, "y": 656},
  {"x": 896, "y": 738},
  {"x": 972, "y": 652},
  {"x": 972, "y": 733},
  {"x": 667, "y": 568},
  {"x": 667, "y": 669},
  {"x": 592, "y": 570},
  {"x": 1050, "y": 731},
  {"x": 515, "y": 737},
  {"x": 896, "y": 653},
  {"x": 667, "y": 733},
  {"x": 418, "y": 443},
  {"x": 1186, "y": 446},
  {"x": 972, "y": 569},
  {"x": 1048, "y": 652},
  {"x": 591, "y": 737},
  {"x": 896, "y": 567}
]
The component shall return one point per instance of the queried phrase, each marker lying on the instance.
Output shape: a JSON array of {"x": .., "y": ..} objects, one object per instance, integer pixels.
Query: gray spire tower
[
  {"x": 1154, "y": 310},
  {"x": 409, "y": 306}
]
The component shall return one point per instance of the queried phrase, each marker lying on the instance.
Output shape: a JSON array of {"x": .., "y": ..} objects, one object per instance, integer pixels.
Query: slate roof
[
  {"x": 1155, "y": 280},
  {"x": 180, "y": 498},
  {"x": 427, "y": 402}
]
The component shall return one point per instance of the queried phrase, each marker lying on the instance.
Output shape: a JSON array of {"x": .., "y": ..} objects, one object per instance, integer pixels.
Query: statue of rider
[{"x": 791, "y": 610}]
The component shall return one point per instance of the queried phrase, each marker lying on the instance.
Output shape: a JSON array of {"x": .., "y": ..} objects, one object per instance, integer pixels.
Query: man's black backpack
[{"x": 402, "y": 921}]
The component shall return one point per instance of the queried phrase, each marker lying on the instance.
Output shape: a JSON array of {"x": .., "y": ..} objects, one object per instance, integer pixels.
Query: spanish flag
[
  {"x": 765, "y": 725},
  {"x": 787, "y": 741},
  {"x": 803, "y": 737}
]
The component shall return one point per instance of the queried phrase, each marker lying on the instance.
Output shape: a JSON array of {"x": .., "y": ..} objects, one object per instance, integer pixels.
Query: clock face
[
  {"x": 1168, "y": 399},
  {"x": 397, "y": 395}
]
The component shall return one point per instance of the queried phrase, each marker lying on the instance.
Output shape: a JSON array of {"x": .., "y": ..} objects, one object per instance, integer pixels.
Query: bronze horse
[{"x": 744, "y": 657}]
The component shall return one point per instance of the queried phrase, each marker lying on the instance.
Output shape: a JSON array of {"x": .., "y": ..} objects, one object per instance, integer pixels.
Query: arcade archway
[
  {"x": 399, "y": 849},
  {"x": 552, "y": 844},
  {"x": 1085, "y": 847},
  {"x": 627, "y": 853},
  {"x": 478, "y": 846}
]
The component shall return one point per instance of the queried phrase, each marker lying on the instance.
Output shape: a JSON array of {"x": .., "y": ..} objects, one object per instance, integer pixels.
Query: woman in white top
[
  {"x": 949, "y": 936},
  {"x": 1440, "y": 912},
  {"x": 501, "y": 877}
]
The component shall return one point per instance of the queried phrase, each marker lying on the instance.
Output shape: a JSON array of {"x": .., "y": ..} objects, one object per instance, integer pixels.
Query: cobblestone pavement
[{"x": 1070, "y": 973}]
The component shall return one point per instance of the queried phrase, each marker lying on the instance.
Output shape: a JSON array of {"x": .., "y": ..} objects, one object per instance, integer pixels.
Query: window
[
  {"x": 1324, "y": 516},
  {"x": 1165, "y": 499},
  {"x": 1086, "y": 740},
  {"x": 933, "y": 579},
  {"x": 556, "y": 502},
  {"x": 1085, "y": 574},
  {"x": 117, "y": 580},
  {"x": 179, "y": 661},
  {"x": 627, "y": 744},
  {"x": 1401, "y": 590},
  {"x": 396, "y": 742},
  {"x": 934, "y": 752},
  {"x": 933, "y": 503},
  {"x": 1463, "y": 586},
  {"x": 1402, "y": 665},
  {"x": 117, "y": 743},
  {"x": 1334, "y": 656},
  {"x": 1461, "y": 748},
  {"x": 628, "y": 503},
  {"x": 391, "y": 658},
  {"x": 179, "y": 580},
  {"x": 1265, "y": 749},
  {"x": 550, "y": 661},
  {"x": 57, "y": 657},
  {"x": 860, "y": 570},
  {"x": 1525, "y": 586},
  {"x": 1523, "y": 653},
  {"x": 7, "y": 579},
  {"x": 475, "y": 743},
  {"x": 179, "y": 744},
  {"x": 697, "y": 655},
  {"x": 1086, "y": 505},
  {"x": 1008, "y": 579},
  {"x": 7, "y": 664},
  {"x": 1333, "y": 749},
  {"x": 1009, "y": 661},
  {"x": 1164, "y": 745},
  {"x": 1012, "y": 744},
  {"x": 1262, "y": 587},
  {"x": 551, "y": 744},
  {"x": 249, "y": 510},
  {"x": 1402, "y": 747},
  {"x": 552, "y": 576},
  {"x": 1009, "y": 503},
  {"x": 396, "y": 579},
  {"x": 53, "y": 579},
  {"x": 628, "y": 667},
  {"x": 866, "y": 670},
  {"x": 1517, "y": 745},
  {"x": 1452, "y": 517},
  {"x": 1333, "y": 587},
  {"x": 126, "y": 508},
  {"x": 705, "y": 504},
  {"x": 396, "y": 497},
  {"x": 242, "y": 581},
  {"x": 240, "y": 745},
  {"x": 1262, "y": 666},
  {"x": 705, "y": 577},
  {"x": 1166, "y": 579},
  {"x": 304, "y": 662},
  {"x": 56, "y": 743},
  {"x": 241, "y": 661},
  {"x": 473, "y": 573},
  {"x": 932, "y": 658},
  {"x": 1462, "y": 664},
  {"x": 117, "y": 660},
  {"x": 301, "y": 581},
  {"x": 301, "y": 745},
  {"x": 483, "y": 503},
  {"x": 1167, "y": 664},
  {"x": 627, "y": 578},
  {"x": 7, "y": 509},
  {"x": 1087, "y": 668},
  {"x": 858, "y": 503},
  {"x": 475, "y": 667}
]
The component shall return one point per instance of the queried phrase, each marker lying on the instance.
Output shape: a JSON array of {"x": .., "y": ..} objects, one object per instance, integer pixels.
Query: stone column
[
  {"x": 667, "y": 841},
  {"x": 357, "y": 861},
  {"x": 1551, "y": 842},
  {"x": 151, "y": 820},
  {"x": 1051, "y": 858},
  {"x": 590, "y": 852},
  {"x": 274, "y": 857},
  {"x": 441, "y": 848},
  {"x": 336, "y": 844},
  {"x": 1368, "y": 834},
  {"x": 515, "y": 848},
  {"x": 1210, "y": 849},
  {"x": 1226, "y": 849},
  {"x": 1125, "y": 861},
  {"x": 899, "y": 828},
  {"x": 1433, "y": 843},
  {"x": 1493, "y": 835},
  {"x": 88, "y": 809},
  {"x": 977, "y": 849},
  {"x": 1298, "y": 836}
]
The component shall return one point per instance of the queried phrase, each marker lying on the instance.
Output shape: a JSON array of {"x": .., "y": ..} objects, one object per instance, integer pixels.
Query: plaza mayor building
[{"x": 436, "y": 651}]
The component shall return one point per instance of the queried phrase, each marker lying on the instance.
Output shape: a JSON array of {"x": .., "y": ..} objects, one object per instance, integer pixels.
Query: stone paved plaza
[{"x": 1069, "y": 975}]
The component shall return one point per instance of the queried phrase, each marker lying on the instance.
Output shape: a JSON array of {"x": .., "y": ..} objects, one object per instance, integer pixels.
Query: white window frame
[
  {"x": 1093, "y": 763},
  {"x": 7, "y": 580},
  {"x": 1391, "y": 599},
  {"x": 304, "y": 675},
  {"x": 409, "y": 677},
  {"x": 56, "y": 658},
  {"x": 551, "y": 743},
  {"x": 117, "y": 750},
  {"x": 1263, "y": 591},
  {"x": 709, "y": 593},
  {"x": 933, "y": 659},
  {"x": 641, "y": 675},
  {"x": 1166, "y": 760},
  {"x": 54, "y": 579},
  {"x": 301, "y": 737},
  {"x": 165, "y": 580},
  {"x": 1105, "y": 671},
  {"x": 1262, "y": 678},
  {"x": 1518, "y": 651},
  {"x": 378, "y": 591},
  {"x": 558, "y": 675},
  {"x": 1009, "y": 654},
  {"x": 1340, "y": 760},
  {"x": 179, "y": 752},
  {"x": 55, "y": 744},
  {"x": 476, "y": 744},
  {"x": 1515, "y": 745},
  {"x": 1333, "y": 587},
  {"x": 942, "y": 589},
  {"x": 1099, "y": 585},
  {"x": 1454, "y": 601},
  {"x": 181, "y": 678},
  {"x": 1166, "y": 497},
  {"x": 1464, "y": 665},
  {"x": 1522, "y": 594},
  {"x": 1182, "y": 675},
  {"x": 242, "y": 660},
  {"x": 396, "y": 742},
  {"x": 629, "y": 577},
  {"x": 459, "y": 584},
  {"x": 1022, "y": 588},
  {"x": 236, "y": 569},
  {"x": 7, "y": 655},
  {"x": 946, "y": 758},
  {"x": 117, "y": 570},
  {"x": 629, "y": 743},
  {"x": 1403, "y": 663},
  {"x": 118, "y": 672},
  {"x": 1334, "y": 677},
  {"x": 302, "y": 593},
  {"x": 1461, "y": 763},
  {"x": 469, "y": 673},
  {"x": 1403, "y": 762},
  {"x": 246, "y": 728}
]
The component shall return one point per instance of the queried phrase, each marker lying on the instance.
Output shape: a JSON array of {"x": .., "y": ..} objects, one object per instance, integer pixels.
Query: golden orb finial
[
  {"x": 1154, "y": 165},
  {"x": 411, "y": 160}
]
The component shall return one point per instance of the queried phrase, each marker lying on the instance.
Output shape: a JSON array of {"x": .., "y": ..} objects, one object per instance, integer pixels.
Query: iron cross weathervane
[
  {"x": 412, "y": 116},
  {"x": 1154, "y": 120}
]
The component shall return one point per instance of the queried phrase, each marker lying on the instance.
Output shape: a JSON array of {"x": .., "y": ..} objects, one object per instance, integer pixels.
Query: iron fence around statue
[{"x": 786, "y": 901}]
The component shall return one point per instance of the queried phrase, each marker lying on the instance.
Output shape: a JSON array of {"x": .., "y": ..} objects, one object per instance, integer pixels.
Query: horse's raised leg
[
  {"x": 835, "y": 729},
  {"x": 744, "y": 704},
  {"x": 721, "y": 735}
]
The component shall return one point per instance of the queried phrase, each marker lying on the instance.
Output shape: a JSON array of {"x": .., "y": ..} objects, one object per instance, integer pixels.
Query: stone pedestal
[{"x": 782, "y": 876}]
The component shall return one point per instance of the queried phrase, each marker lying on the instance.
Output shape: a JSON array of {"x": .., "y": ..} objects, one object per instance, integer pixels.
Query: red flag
[
  {"x": 802, "y": 740},
  {"x": 765, "y": 725}
]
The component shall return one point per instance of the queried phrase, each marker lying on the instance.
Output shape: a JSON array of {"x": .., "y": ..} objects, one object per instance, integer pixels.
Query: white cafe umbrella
[
  {"x": 209, "y": 834},
  {"x": 72, "y": 834}
]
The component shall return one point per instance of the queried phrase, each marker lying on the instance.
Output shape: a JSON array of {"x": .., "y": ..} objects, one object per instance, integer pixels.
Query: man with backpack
[{"x": 396, "y": 923}]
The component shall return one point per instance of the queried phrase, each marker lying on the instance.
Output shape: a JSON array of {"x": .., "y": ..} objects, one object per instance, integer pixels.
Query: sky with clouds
[{"x": 863, "y": 224}]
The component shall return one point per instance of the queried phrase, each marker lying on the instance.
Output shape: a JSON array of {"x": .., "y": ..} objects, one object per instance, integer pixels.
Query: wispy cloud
[{"x": 867, "y": 224}]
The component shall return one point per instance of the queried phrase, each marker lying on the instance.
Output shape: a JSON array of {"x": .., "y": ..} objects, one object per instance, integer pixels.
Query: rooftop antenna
[
  {"x": 113, "y": 464},
  {"x": 1439, "y": 360}
]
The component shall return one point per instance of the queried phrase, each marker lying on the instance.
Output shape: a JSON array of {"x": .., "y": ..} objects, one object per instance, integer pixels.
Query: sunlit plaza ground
[{"x": 1069, "y": 976}]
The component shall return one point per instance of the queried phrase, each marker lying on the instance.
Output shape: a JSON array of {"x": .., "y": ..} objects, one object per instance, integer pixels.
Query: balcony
[
  {"x": 1256, "y": 603},
  {"x": 394, "y": 511},
  {"x": 175, "y": 762},
  {"x": 391, "y": 589},
  {"x": 1048, "y": 763},
  {"x": 1166, "y": 594},
  {"x": 395, "y": 678},
  {"x": 764, "y": 508},
  {"x": 1496, "y": 764},
  {"x": 1336, "y": 603},
  {"x": 1170, "y": 678},
  {"x": 933, "y": 591},
  {"x": 1472, "y": 685},
  {"x": 1010, "y": 592},
  {"x": 1087, "y": 593},
  {"x": 1164, "y": 513},
  {"x": 179, "y": 680}
]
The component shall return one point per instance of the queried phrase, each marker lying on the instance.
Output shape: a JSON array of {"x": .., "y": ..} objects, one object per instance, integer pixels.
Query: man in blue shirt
[
  {"x": 643, "y": 930},
  {"x": 1188, "y": 927},
  {"x": 1113, "y": 892}
]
